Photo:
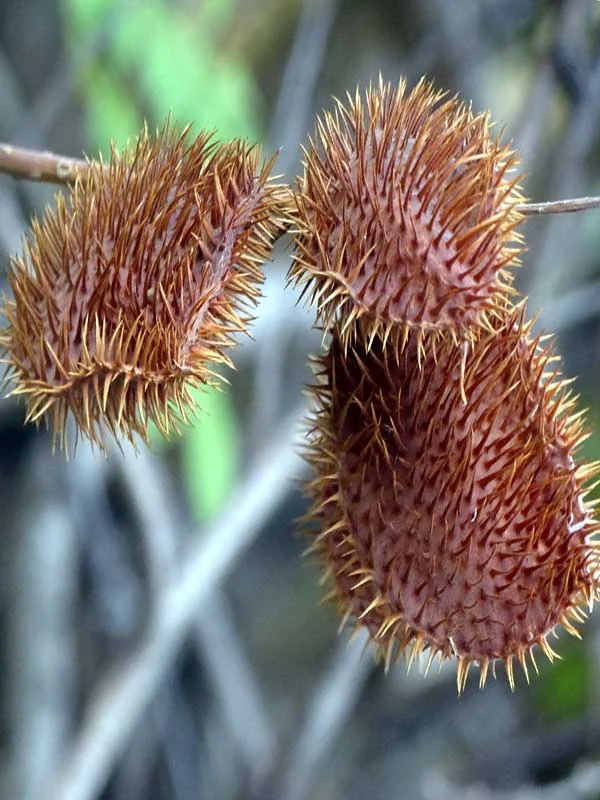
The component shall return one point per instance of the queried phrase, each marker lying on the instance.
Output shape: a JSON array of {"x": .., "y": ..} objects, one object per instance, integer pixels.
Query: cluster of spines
[
  {"x": 406, "y": 219},
  {"x": 132, "y": 287},
  {"x": 371, "y": 518},
  {"x": 406, "y": 216}
]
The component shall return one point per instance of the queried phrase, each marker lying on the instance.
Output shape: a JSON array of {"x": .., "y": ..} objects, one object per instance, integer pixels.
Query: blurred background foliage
[
  {"x": 161, "y": 58},
  {"x": 255, "y": 697}
]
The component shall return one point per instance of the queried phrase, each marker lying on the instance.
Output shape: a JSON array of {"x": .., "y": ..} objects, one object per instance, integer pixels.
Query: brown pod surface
[
  {"x": 130, "y": 288},
  {"x": 457, "y": 527},
  {"x": 406, "y": 215}
]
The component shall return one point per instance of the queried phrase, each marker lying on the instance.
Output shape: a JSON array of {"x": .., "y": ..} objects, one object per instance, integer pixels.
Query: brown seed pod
[
  {"x": 405, "y": 215},
  {"x": 461, "y": 528},
  {"x": 129, "y": 290}
]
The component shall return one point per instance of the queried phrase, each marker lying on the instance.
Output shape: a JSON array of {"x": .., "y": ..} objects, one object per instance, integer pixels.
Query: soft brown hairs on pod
[
  {"x": 461, "y": 529},
  {"x": 405, "y": 216},
  {"x": 129, "y": 289}
]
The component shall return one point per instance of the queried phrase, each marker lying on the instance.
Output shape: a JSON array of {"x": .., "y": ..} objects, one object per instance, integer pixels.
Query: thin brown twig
[
  {"x": 38, "y": 165},
  {"x": 569, "y": 206},
  {"x": 127, "y": 689}
]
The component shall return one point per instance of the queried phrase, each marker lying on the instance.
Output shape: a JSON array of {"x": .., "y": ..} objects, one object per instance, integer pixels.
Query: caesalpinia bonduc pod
[
  {"x": 406, "y": 215},
  {"x": 458, "y": 528},
  {"x": 130, "y": 288}
]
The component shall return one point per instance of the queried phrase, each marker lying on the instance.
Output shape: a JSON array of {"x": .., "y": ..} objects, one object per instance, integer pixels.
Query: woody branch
[{"x": 39, "y": 165}]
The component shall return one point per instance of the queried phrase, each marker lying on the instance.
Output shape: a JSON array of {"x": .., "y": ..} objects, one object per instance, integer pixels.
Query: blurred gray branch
[{"x": 124, "y": 695}]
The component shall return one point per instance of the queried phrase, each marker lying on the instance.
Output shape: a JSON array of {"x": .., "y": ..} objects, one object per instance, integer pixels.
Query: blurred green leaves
[
  {"x": 156, "y": 58},
  {"x": 562, "y": 690},
  {"x": 211, "y": 454}
]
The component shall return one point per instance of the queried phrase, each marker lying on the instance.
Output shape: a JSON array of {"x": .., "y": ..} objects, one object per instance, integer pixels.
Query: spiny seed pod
[
  {"x": 461, "y": 528},
  {"x": 130, "y": 289},
  {"x": 405, "y": 216}
]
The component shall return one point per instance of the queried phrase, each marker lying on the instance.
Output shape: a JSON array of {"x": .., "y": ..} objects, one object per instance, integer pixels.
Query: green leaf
[
  {"x": 84, "y": 16},
  {"x": 182, "y": 73},
  {"x": 217, "y": 11},
  {"x": 561, "y": 690},
  {"x": 210, "y": 454},
  {"x": 110, "y": 114}
]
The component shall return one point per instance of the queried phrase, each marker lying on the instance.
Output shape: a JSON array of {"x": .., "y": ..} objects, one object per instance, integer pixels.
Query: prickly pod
[{"x": 457, "y": 528}]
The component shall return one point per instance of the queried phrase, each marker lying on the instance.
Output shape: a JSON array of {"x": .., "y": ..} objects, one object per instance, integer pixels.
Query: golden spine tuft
[
  {"x": 130, "y": 289},
  {"x": 460, "y": 528},
  {"x": 406, "y": 216}
]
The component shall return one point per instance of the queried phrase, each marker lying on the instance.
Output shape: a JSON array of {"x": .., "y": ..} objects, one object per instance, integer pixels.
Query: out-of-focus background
[{"x": 160, "y": 636}]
